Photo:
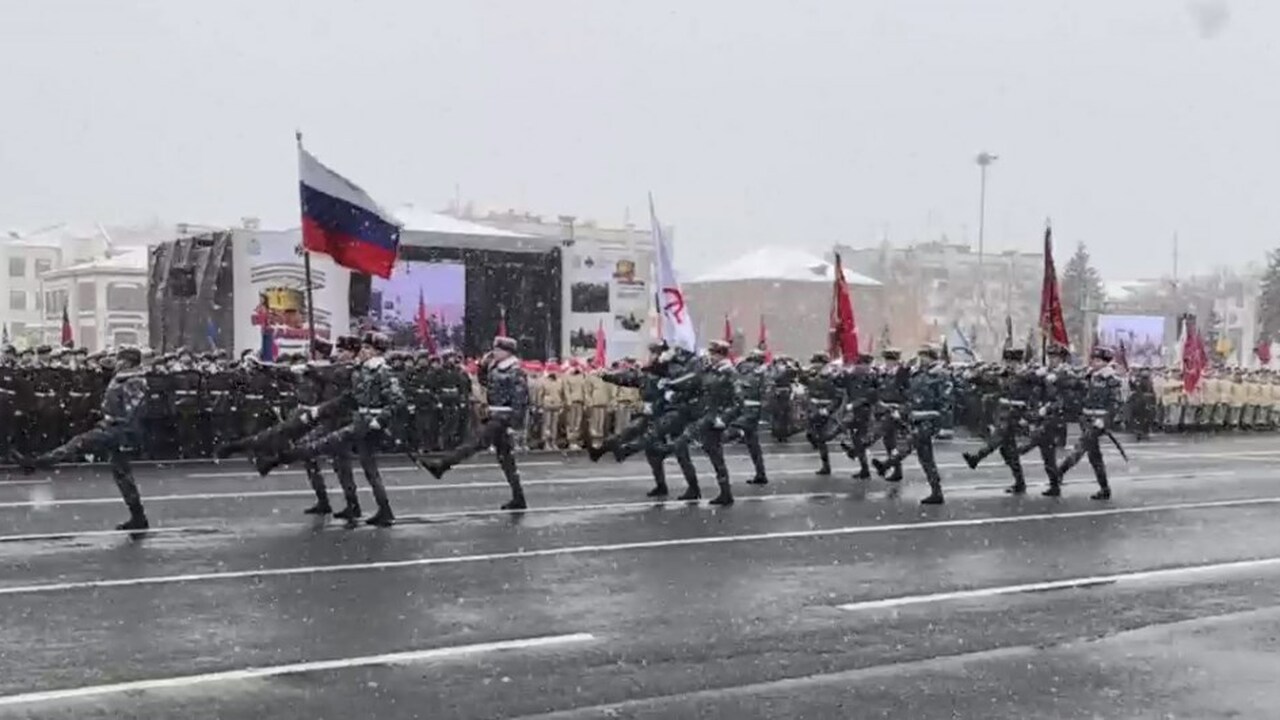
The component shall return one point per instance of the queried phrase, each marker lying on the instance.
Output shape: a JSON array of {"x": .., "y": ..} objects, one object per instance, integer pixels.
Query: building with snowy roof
[{"x": 791, "y": 290}]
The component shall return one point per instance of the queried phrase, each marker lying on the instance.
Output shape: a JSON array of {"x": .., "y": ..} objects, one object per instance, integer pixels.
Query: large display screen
[
  {"x": 1142, "y": 337},
  {"x": 422, "y": 305}
]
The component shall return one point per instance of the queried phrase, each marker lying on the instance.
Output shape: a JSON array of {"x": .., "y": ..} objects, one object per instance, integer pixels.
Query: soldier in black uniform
[
  {"x": 1052, "y": 389},
  {"x": 860, "y": 394},
  {"x": 926, "y": 398},
  {"x": 1017, "y": 386},
  {"x": 715, "y": 400},
  {"x": 783, "y": 374},
  {"x": 115, "y": 434},
  {"x": 374, "y": 395},
  {"x": 822, "y": 383},
  {"x": 891, "y": 383},
  {"x": 656, "y": 416},
  {"x": 1100, "y": 404},
  {"x": 508, "y": 393},
  {"x": 749, "y": 385}
]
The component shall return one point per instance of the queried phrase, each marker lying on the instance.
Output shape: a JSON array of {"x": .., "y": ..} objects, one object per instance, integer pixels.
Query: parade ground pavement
[{"x": 812, "y": 597}]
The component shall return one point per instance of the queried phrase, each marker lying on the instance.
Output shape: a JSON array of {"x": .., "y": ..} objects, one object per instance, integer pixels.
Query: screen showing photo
[{"x": 422, "y": 305}]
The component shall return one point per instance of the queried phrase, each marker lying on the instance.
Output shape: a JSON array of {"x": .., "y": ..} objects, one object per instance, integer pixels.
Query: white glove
[
  {"x": 298, "y": 369},
  {"x": 669, "y": 395},
  {"x": 896, "y": 415},
  {"x": 373, "y": 424},
  {"x": 1043, "y": 411},
  {"x": 648, "y": 409},
  {"x": 849, "y": 407},
  {"x": 1099, "y": 424},
  {"x": 718, "y": 424},
  {"x": 1051, "y": 377}
]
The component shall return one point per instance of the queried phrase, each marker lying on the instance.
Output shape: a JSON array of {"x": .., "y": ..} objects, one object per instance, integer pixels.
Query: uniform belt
[
  {"x": 252, "y": 397},
  {"x": 751, "y": 403},
  {"x": 501, "y": 408},
  {"x": 1093, "y": 412},
  {"x": 46, "y": 394},
  {"x": 925, "y": 413},
  {"x": 78, "y": 395},
  {"x": 1013, "y": 403},
  {"x": 187, "y": 392},
  {"x": 819, "y": 402}
]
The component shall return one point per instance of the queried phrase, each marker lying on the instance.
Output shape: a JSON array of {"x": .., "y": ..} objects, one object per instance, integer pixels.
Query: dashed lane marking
[
  {"x": 256, "y": 673},
  {"x": 1069, "y": 584}
]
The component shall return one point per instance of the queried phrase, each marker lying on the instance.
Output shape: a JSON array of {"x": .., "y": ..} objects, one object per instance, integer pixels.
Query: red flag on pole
[
  {"x": 844, "y": 329},
  {"x": 763, "y": 345},
  {"x": 1263, "y": 351},
  {"x": 1194, "y": 357},
  {"x": 424, "y": 324},
  {"x": 1052, "y": 325},
  {"x": 67, "y": 339},
  {"x": 728, "y": 334},
  {"x": 601, "y": 348},
  {"x": 502, "y": 321}
]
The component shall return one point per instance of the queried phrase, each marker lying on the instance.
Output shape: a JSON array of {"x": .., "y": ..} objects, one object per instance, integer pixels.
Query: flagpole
[{"x": 306, "y": 270}]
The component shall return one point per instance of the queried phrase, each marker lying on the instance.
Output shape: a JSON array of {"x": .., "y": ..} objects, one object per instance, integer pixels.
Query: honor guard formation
[{"x": 361, "y": 399}]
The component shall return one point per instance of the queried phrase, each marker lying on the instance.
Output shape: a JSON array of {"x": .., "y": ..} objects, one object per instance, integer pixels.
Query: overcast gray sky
[{"x": 804, "y": 123}]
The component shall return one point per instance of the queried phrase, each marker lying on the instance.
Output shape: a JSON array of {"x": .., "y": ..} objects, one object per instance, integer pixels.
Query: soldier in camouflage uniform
[
  {"x": 1101, "y": 402},
  {"x": 925, "y": 401},
  {"x": 374, "y": 397},
  {"x": 744, "y": 424},
  {"x": 507, "y": 391},
  {"x": 114, "y": 435}
]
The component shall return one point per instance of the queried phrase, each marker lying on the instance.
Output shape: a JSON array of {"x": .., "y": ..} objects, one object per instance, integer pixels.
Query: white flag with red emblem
[{"x": 673, "y": 311}]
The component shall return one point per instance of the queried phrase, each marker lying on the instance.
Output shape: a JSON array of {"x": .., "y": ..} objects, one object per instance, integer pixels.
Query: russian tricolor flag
[{"x": 342, "y": 221}]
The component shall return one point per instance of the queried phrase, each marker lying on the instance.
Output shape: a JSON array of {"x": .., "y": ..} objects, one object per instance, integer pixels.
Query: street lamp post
[{"x": 984, "y": 160}]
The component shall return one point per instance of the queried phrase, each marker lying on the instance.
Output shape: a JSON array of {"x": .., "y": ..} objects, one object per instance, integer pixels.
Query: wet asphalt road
[{"x": 810, "y": 598}]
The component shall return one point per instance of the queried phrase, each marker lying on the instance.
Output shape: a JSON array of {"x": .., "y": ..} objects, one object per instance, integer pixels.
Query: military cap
[
  {"x": 43, "y": 350},
  {"x": 321, "y": 347},
  {"x": 377, "y": 341},
  {"x": 505, "y": 343},
  {"x": 718, "y": 347},
  {"x": 1014, "y": 354},
  {"x": 349, "y": 343},
  {"x": 130, "y": 355},
  {"x": 1103, "y": 353},
  {"x": 865, "y": 358},
  {"x": 1061, "y": 351},
  {"x": 929, "y": 351},
  {"x": 820, "y": 357},
  {"x": 891, "y": 354}
]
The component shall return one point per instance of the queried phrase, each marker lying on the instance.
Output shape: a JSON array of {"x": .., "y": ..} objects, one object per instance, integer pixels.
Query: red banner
[
  {"x": 1052, "y": 326},
  {"x": 844, "y": 328}
]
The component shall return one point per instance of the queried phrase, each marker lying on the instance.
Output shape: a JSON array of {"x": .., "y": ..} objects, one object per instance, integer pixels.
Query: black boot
[
  {"x": 436, "y": 467},
  {"x": 693, "y": 492},
  {"x": 264, "y": 464},
  {"x": 880, "y": 465},
  {"x": 864, "y": 472},
  {"x": 383, "y": 518},
  {"x": 322, "y": 507},
  {"x": 725, "y": 497},
  {"x": 137, "y": 519},
  {"x": 227, "y": 449},
  {"x": 972, "y": 460},
  {"x": 823, "y": 471},
  {"x": 1019, "y": 486},
  {"x": 517, "y": 501},
  {"x": 1104, "y": 490},
  {"x": 935, "y": 498},
  {"x": 1054, "y": 490},
  {"x": 597, "y": 452},
  {"x": 659, "y": 491},
  {"x": 759, "y": 479},
  {"x": 351, "y": 512}
]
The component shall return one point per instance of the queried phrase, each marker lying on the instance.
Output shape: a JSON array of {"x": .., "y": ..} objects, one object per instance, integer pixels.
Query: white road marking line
[
  {"x": 76, "y": 534},
  {"x": 255, "y": 673},
  {"x": 1073, "y": 583},
  {"x": 438, "y": 486},
  {"x": 585, "y": 507},
  {"x": 620, "y": 547},
  {"x": 387, "y": 469}
]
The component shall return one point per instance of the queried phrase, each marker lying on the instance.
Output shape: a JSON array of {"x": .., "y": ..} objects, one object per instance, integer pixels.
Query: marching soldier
[
  {"x": 627, "y": 400},
  {"x": 716, "y": 400},
  {"x": 375, "y": 395},
  {"x": 112, "y": 437},
  {"x": 892, "y": 384},
  {"x": 925, "y": 400},
  {"x": 1101, "y": 402},
  {"x": 749, "y": 382},
  {"x": 860, "y": 397},
  {"x": 1016, "y": 389},
  {"x": 507, "y": 390},
  {"x": 821, "y": 381}
]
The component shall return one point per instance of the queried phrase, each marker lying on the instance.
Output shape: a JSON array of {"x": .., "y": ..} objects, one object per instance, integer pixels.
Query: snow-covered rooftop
[
  {"x": 782, "y": 264},
  {"x": 125, "y": 260},
  {"x": 418, "y": 219}
]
